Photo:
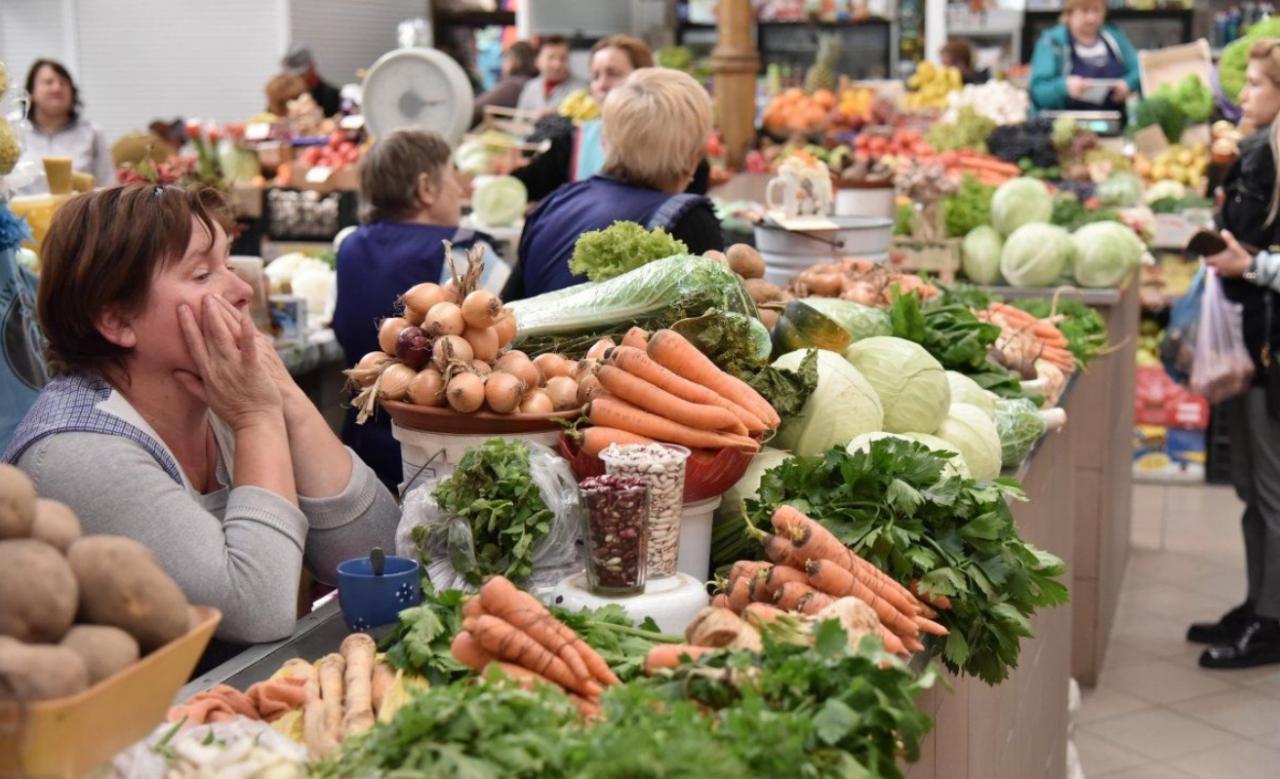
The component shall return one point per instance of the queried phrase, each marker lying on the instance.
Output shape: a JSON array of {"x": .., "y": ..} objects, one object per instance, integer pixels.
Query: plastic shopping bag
[
  {"x": 1222, "y": 367},
  {"x": 1178, "y": 346}
]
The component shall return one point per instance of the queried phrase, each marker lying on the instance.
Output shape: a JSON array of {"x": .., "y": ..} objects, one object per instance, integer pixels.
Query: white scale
[{"x": 417, "y": 88}]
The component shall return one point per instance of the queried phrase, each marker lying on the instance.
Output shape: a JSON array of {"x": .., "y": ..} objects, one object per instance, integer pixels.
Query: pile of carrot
[
  {"x": 1047, "y": 341},
  {"x": 984, "y": 167},
  {"x": 661, "y": 388},
  {"x": 506, "y": 627},
  {"x": 811, "y": 568}
]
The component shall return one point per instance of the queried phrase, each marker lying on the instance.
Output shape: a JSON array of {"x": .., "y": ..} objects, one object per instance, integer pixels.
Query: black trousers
[{"x": 1255, "y": 473}]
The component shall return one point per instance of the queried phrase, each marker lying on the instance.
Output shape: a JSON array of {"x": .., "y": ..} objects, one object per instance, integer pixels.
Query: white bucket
[
  {"x": 444, "y": 451},
  {"x": 866, "y": 201},
  {"x": 695, "y": 538}
]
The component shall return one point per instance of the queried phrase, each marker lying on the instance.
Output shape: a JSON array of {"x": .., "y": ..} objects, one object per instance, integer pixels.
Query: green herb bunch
[{"x": 621, "y": 247}]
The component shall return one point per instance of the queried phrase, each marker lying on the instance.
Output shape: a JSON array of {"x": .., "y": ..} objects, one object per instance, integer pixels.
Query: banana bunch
[
  {"x": 930, "y": 85},
  {"x": 9, "y": 151},
  {"x": 580, "y": 106}
]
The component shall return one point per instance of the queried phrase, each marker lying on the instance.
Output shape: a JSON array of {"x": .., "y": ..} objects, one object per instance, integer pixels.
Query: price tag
[
  {"x": 318, "y": 174},
  {"x": 257, "y": 131}
]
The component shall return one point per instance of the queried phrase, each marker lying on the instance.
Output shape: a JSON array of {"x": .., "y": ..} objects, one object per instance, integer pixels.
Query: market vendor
[
  {"x": 414, "y": 199},
  {"x": 517, "y": 68},
  {"x": 1083, "y": 48},
  {"x": 1249, "y": 634},
  {"x": 654, "y": 128},
  {"x": 172, "y": 421},
  {"x": 58, "y": 129},
  {"x": 300, "y": 62}
]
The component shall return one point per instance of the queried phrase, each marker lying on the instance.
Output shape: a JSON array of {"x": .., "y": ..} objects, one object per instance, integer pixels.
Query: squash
[{"x": 801, "y": 326}]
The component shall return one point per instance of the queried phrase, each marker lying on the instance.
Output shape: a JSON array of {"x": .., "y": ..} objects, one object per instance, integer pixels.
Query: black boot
[
  {"x": 1257, "y": 644},
  {"x": 1224, "y": 630}
]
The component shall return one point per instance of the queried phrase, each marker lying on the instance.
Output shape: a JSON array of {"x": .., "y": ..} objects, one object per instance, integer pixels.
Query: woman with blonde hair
[
  {"x": 654, "y": 128},
  {"x": 1083, "y": 48},
  {"x": 1249, "y": 635}
]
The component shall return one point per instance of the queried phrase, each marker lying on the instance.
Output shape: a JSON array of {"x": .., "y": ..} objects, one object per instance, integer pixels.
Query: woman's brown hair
[
  {"x": 637, "y": 51},
  {"x": 1071, "y": 6},
  {"x": 102, "y": 252},
  {"x": 389, "y": 172}
]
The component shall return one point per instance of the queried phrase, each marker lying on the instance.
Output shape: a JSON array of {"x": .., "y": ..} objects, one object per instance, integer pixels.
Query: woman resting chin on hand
[{"x": 172, "y": 421}]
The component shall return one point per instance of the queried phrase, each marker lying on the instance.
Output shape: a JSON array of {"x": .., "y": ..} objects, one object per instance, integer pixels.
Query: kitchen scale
[
  {"x": 672, "y": 601},
  {"x": 417, "y": 88},
  {"x": 1107, "y": 124}
]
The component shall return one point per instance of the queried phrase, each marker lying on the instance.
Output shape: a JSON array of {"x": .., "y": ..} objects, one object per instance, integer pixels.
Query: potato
[
  {"x": 745, "y": 261},
  {"x": 762, "y": 291},
  {"x": 123, "y": 585},
  {"x": 769, "y": 317},
  {"x": 17, "y": 503},
  {"x": 103, "y": 648},
  {"x": 37, "y": 672},
  {"x": 39, "y": 591},
  {"x": 55, "y": 524}
]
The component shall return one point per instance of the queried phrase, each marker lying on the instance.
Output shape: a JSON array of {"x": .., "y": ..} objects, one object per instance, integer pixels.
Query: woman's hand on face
[
  {"x": 1076, "y": 86},
  {"x": 1232, "y": 262},
  {"x": 266, "y": 349},
  {"x": 231, "y": 378}
]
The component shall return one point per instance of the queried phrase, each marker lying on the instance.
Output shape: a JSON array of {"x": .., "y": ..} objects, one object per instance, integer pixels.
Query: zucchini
[{"x": 801, "y": 326}]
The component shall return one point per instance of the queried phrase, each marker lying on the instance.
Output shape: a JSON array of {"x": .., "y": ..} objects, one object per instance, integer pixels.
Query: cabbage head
[
  {"x": 843, "y": 407},
  {"x": 955, "y": 465},
  {"x": 966, "y": 390},
  {"x": 1122, "y": 190},
  {"x": 980, "y": 255},
  {"x": 1018, "y": 202},
  {"x": 911, "y": 384},
  {"x": 858, "y": 320},
  {"x": 1105, "y": 254},
  {"x": 971, "y": 431},
  {"x": 1019, "y": 424},
  {"x": 748, "y": 486},
  {"x": 1036, "y": 255}
]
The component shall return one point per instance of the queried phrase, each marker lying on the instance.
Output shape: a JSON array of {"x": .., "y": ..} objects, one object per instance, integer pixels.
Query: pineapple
[
  {"x": 823, "y": 73},
  {"x": 9, "y": 151}
]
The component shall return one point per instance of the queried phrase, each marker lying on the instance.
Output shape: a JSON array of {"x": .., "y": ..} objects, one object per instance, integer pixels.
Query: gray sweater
[{"x": 240, "y": 549}]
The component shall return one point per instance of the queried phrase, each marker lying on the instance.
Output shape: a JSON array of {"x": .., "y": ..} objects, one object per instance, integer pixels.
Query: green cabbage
[
  {"x": 970, "y": 430},
  {"x": 858, "y": 320},
  {"x": 1036, "y": 255},
  {"x": 966, "y": 390},
  {"x": 498, "y": 201},
  {"x": 980, "y": 255},
  {"x": 1122, "y": 190},
  {"x": 955, "y": 465},
  {"x": 1019, "y": 425},
  {"x": 843, "y": 407},
  {"x": 911, "y": 384},
  {"x": 748, "y": 486},
  {"x": 1018, "y": 202},
  {"x": 1105, "y": 254}
]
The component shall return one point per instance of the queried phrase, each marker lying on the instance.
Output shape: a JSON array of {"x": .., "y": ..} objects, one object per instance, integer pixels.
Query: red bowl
[{"x": 705, "y": 476}]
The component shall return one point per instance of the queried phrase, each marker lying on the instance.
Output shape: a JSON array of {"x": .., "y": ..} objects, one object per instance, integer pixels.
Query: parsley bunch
[
  {"x": 422, "y": 636},
  {"x": 956, "y": 536}
]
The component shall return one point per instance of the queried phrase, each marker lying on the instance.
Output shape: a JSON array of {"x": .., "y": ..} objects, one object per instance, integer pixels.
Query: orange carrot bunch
[
  {"x": 663, "y": 389},
  {"x": 986, "y": 168},
  {"x": 507, "y": 627},
  {"x": 1040, "y": 336}
]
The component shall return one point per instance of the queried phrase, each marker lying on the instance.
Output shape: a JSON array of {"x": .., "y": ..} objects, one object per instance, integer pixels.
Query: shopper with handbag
[{"x": 1249, "y": 635}]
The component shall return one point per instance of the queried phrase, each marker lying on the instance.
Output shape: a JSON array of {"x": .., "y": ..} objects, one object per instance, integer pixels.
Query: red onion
[{"x": 413, "y": 347}]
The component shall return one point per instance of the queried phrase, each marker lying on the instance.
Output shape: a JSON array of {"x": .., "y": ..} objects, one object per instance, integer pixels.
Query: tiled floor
[{"x": 1155, "y": 714}]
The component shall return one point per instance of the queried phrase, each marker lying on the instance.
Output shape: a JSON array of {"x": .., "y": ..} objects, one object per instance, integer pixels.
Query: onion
[
  {"x": 481, "y": 367},
  {"x": 413, "y": 347},
  {"x": 419, "y": 300},
  {"x": 427, "y": 388},
  {"x": 366, "y": 371},
  {"x": 597, "y": 352},
  {"x": 481, "y": 308},
  {"x": 389, "y": 331},
  {"x": 444, "y": 319},
  {"x": 551, "y": 365},
  {"x": 503, "y": 392},
  {"x": 484, "y": 342},
  {"x": 588, "y": 388},
  {"x": 394, "y": 384},
  {"x": 505, "y": 324},
  {"x": 465, "y": 393},
  {"x": 537, "y": 402},
  {"x": 448, "y": 349},
  {"x": 518, "y": 364},
  {"x": 584, "y": 368},
  {"x": 450, "y": 291},
  {"x": 563, "y": 392}
]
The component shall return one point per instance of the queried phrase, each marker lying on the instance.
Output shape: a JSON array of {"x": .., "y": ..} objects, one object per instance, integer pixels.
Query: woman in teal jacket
[{"x": 1081, "y": 49}]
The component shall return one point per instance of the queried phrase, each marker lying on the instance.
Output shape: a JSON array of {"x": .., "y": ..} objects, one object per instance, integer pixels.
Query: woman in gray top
[
  {"x": 58, "y": 130},
  {"x": 172, "y": 421}
]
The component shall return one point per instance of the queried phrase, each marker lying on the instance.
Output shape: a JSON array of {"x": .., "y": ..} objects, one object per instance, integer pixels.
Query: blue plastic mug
[{"x": 368, "y": 601}]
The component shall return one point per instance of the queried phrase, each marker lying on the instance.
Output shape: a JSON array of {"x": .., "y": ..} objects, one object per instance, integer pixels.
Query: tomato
[{"x": 335, "y": 140}]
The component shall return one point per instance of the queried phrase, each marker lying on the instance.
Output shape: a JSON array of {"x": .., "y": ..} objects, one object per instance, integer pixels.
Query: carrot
[
  {"x": 762, "y": 613},
  {"x": 834, "y": 580},
  {"x": 542, "y": 627},
  {"x": 912, "y": 645},
  {"x": 720, "y": 601},
  {"x": 812, "y": 602},
  {"x": 637, "y": 363},
  {"x": 612, "y": 412},
  {"x": 782, "y": 552},
  {"x": 596, "y": 439},
  {"x": 588, "y": 708},
  {"x": 739, "y": 594},
  {"x": 788, "y": 596},
  {"x": 674, "y": 352},
  {"x": 521, "y": 675},
  {"x": 670, "y": 655},
  {"x": 891, "y": 642},
  {"x": 467, "y": 651},
  {"x": 815, "y": 542},
  {"x": 778, "y": 576},
  {"x": 636, "y": 337},
  {"x": 644, "y": 395},
  {"x": 504, "y": 640},
  {"x": 975, "y": 163},
  {"x": 748, "y": 568},
  {"x": 929, "y": 626}
]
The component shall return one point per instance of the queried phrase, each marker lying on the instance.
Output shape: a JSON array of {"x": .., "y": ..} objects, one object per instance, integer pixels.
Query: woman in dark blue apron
[{"x": 1082, "y": 49}]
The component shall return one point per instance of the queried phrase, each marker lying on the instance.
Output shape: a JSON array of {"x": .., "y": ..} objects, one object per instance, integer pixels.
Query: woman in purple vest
[
  {"x": 171, "y": 420},
  {"x": 654, "y": 126}
]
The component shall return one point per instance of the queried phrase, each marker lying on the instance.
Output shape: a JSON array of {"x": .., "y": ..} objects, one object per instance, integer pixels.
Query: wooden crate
[
  {"x": 940, "y": 259},
  {"x": 1174, "y": 63}
]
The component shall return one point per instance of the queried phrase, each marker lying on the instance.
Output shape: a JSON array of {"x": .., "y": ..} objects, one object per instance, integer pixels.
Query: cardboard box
[
  {"x": 940, "y": 259},
  {"x": 1170, "y": 65},
  {"x": 246, "y": 201},
  {"x": 346, "y": 178}
]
